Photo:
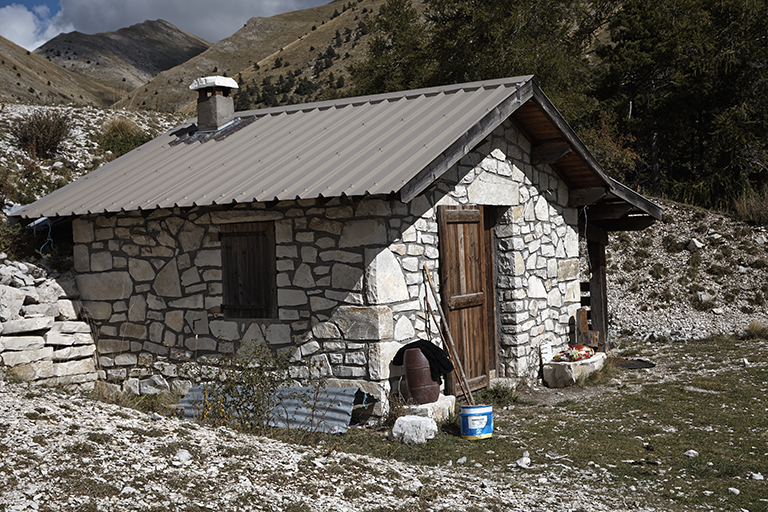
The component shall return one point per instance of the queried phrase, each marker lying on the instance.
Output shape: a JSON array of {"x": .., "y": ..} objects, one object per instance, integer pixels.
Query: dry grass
[
  {"x": 756, "y": 330},
  {"x": 752, "y": 207}
]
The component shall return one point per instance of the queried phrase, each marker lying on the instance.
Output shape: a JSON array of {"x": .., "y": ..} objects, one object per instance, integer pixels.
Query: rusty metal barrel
[{"x": 418, "y": 377}]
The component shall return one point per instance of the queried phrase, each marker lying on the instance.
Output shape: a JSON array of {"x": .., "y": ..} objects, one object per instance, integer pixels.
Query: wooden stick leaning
[
  {"x": 451, "y": 345},
  {"x": 455, "y": 366}
]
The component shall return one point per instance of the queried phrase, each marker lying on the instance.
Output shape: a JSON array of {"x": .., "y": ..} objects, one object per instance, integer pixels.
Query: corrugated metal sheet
[
  {"x": 354, "y": 146},
  {"x": 326, "y": 410}
]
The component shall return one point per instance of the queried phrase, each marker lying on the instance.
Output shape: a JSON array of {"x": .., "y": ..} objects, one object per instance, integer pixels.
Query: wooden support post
[{"x": 598, "y": 292}]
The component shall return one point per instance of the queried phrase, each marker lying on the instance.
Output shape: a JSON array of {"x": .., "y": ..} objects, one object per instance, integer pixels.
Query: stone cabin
[{"x": 308, "y": 228}]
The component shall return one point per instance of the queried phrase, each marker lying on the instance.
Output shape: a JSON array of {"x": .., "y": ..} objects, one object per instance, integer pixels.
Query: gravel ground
[{"x": 68, "y": 452}]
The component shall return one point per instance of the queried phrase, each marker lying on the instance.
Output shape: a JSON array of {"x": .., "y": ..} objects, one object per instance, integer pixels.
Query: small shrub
[
  {"x": 642, "y": 254},
  {"x": 645, "y": 242},
  {"x": 671, "y": 245},
  {"x": 726, "y": 251},
  {"x": 719, "y": 271},
  {"x": 240, "y": 391},
  {"x": 759, "y": 263},
  {"x": 702, "y": 305},
  {"x": 658, "y": 271},
  {"x": 756, "y": 330},
  {"x": 757, "y": 299},
  {"x": 497, "y": 395},
  {"x": 41, "y": 133},
  {"x": 694, "y": 260},
  {"x": 701, "y": 228},
  {"x": 121, "y": 135}
]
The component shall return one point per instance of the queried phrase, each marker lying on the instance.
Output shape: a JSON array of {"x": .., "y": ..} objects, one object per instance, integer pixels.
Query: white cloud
[{"x": 30, "y": 29}]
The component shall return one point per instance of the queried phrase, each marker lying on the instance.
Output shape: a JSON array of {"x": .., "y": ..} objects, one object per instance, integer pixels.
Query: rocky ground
[
  {"x": 694, "y": 274},
  {"x": 68, "y": 452}
]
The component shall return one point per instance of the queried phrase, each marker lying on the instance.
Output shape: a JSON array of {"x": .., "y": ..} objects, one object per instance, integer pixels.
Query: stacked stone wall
[
  {"x": 41, "y": 339},
  {"x": 350, "y": 284}
]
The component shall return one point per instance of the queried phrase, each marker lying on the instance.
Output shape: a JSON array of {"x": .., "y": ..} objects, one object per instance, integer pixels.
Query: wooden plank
[
  {"x": 462, "y": 216},
  {"x": 598, "y": 292},
  {"x": 634, "y": 223},
  {"x": 465, "y": 301}
]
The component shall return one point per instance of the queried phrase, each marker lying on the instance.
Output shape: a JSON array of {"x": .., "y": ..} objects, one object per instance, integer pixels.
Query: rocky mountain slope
[
  {"x": 29, "y": 78},
  {"x": 693, "y": 274},
  {"x": 295, "y": 37},
  {"x": 127, "y": 58}
]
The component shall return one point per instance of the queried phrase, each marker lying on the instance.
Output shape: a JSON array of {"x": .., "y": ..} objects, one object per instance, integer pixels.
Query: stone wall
[
  {"x": 41, "y": 339},
  {"x": 350, "y": 285},
  {"x": 536, "y": 247}
]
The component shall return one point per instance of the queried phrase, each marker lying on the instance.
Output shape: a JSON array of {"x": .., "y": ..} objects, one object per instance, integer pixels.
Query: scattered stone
[
  {"x": 462, "y": 460},
  {"x": 755, "y": 476},
  {"x": 414, "y": 429},
  {"x": 734, "y": 491},
  {"x": 691, "y": 453},
  {"x": 694, "y": 245},
  {"x": 524, "y": 461}
]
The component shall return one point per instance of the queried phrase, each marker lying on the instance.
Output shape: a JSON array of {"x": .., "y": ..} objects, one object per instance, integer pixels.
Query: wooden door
[{"x": 463, "y": 285}]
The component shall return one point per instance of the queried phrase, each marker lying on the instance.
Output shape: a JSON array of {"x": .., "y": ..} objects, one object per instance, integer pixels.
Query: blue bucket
[{"x": 476, "y": 421}]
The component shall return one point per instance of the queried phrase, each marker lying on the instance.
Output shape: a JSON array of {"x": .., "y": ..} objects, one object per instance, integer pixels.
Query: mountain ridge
[{"x": 127, "y": 58}]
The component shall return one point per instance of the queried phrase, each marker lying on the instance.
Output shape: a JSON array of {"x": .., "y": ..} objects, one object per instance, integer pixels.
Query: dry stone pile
[{"x": 41, "y": 338}]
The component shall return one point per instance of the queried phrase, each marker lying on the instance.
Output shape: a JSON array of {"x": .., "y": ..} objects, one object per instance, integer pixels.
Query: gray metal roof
[
  {"x": 381, "y": 144},
  {"x": 354, "y": 146}
]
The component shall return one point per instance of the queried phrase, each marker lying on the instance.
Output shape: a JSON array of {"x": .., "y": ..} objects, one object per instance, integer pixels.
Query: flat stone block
[
  {"x": 105, "y": 286},
  {"x": 21, "y": 343},
  {"x": 438, "y": 411},
  {"x": 560, "y": 374},
  {"x": 364, "y": 323},
  {"x": 26, "y": 356},
  {"x": 68, "y": 368},
  {"x": 27, "y": 325},
  {"x": 69, "y": 353}
]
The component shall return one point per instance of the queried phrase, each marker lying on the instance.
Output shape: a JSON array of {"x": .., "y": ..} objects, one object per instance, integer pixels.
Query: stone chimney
[{"x": 215, "y": 106}]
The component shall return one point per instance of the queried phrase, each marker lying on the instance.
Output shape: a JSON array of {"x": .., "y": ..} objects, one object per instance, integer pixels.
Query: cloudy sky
[{"x": 30, "y": 23}]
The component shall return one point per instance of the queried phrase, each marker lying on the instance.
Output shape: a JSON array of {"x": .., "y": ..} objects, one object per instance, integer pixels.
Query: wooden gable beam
[
  {"x": 466, "y": 142},
  {"x": 634, "y": 223},
  {"x": 608, "y": 211},
  {"x": 549, "y": 153},
  {"x": 585, "y": 196}
]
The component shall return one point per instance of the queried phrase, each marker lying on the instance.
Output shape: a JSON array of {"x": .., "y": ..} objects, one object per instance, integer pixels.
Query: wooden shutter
[{"x": 248, "y": 270}]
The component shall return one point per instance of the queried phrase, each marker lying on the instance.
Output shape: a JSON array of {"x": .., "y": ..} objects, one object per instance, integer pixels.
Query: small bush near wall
[
  {"x": 240, "y": 390},
  {"x": 42, "y": 133}
]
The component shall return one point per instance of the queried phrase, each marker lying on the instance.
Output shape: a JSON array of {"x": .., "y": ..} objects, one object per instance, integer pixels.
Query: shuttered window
[{"x": 248, "y": 270}]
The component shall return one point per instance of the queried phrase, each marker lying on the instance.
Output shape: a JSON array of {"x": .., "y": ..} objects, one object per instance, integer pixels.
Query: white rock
[
  {"x": 691, "y": 453},
  {"x": 414, "y": 429}
]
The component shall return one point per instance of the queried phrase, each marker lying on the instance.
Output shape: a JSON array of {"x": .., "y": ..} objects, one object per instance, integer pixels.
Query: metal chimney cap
[{"x": 213, "y": 81}]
